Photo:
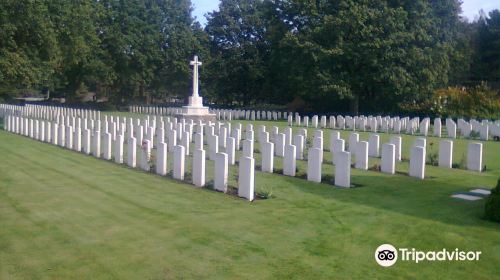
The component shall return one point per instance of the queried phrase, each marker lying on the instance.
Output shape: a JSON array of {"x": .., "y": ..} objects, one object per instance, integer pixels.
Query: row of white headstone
[
  {"x": 84, "y": 135},
  {"x": 47, "y": 112},
  {"x": 183, "y": 131},
  {"x": 291, "y": 148},
  {"x": 221, "y": 114},
  {"x": 486, "y": 129},
  {"x": 399, "y": 125},
  {"x": 69, "y": 129}
]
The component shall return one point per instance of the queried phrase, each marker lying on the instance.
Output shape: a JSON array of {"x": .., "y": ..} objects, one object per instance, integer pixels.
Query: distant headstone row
[{"x": 484, "y": 129}]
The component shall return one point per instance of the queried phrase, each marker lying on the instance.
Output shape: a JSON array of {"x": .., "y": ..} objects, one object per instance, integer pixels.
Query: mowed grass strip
[{"x": 67, "y": 215}]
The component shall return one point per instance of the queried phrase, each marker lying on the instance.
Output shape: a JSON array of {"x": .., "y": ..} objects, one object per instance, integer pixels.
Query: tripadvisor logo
[{"x": 386, "y": 255}]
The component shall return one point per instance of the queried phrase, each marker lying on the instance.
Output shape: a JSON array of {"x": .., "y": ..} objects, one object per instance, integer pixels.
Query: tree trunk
[
  {"x": 354, "y": 105},
  {"x": 142, "y": 92}
]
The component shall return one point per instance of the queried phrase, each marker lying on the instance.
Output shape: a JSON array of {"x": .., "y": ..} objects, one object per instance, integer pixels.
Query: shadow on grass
[{"x": 423, "y": 199}]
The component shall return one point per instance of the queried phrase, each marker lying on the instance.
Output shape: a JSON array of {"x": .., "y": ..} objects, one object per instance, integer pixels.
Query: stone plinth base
[
  {"x": 196, "y": 112},
  {"x": 204, "y": 118}
]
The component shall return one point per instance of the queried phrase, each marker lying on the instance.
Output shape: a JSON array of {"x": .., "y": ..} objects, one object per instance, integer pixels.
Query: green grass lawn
[{"x": 65, "y": 215}]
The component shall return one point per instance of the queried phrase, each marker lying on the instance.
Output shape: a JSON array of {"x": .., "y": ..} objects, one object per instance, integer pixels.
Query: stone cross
[{"x": 195, "y": 64}]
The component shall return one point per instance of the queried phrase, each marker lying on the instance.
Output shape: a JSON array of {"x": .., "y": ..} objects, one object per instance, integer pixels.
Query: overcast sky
[{"x": 470, "y": 7}]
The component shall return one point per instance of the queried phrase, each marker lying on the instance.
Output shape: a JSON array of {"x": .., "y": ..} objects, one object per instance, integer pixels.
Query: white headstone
[
  {"x": 48, "y": 132},
  {"x": 119, "y": 149},
  {"x": 373, "y": 145},
  {"x": 318, "y": 143},
  {"x": 160, "y": 136},
  {"x": 289, "y": 161},
  {"x": 314, "y": 165},
  {"x": 199, "y": 168},
  {"x": 279, "y": 147},
  {"x": 362, "y": 155},
  {"x": 171, "y": 139},
  {"x": 396, "y": 140},
  {"x": 388, "y": 160},
  {"x": 198, "y": 141},
  {"x": 41, "y": 133},
  {"x": 475, "y": 157},
  {"x": 298, "y": 142},
  {"x": 185, "y": 142},
  {"x": 338, "y": 146},
  {"x": 179, "y": 161},
  {"x": 37, "y": 130},
  {"x": 107, "y": 146},
  {"x": 437, "y": 127},
  {"x": 161, "y": 159},
  {"x": 220, "y": 172},
  {"x": 86, "y": 141},
  {"x": 231, "y": 150},
  {"x": 62, "y": 136},
  {"x": 445, "y": 153},
  {"x": 484, "y": 132},
  {"x": 69, "y": 137},
  {"x": 213, "y": 146},
  {"x": 452, "y": 129},
  {"x": 353, "y": 140},
  {"x": 247, "y": 148},
  {"x": 334, "y": 135},
  {"x": 288, "y": 136},
  {"x": 343, "y": 169},
  {"x": 417, "y": 162},
  {"x": 131, "y": 153},
  {"x": 246, "y": 178},
  {"x": 421, "y": 142},
  {"x": 145, "y": 155},
  {"x": 267, "y": 153},
  {"x": 77, "y": 139},
  {"x": 222, "y": 137},
  {"x": 96, "y": 144},
  {"x": 314, "y": 121},
  {"x": 323, "y": 121},
  {"x": 31, "y": 128}
]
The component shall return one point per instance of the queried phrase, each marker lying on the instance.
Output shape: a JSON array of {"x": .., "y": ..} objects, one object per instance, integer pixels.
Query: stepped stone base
[{"x": 196, "y": 113}]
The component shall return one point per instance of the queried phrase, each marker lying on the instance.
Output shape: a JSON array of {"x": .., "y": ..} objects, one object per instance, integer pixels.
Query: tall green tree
[
  {"x": 486, "y": 65},
  {"x": 149, "y": 44},
  {"x": 239, "y": 51},
  {"x": 379, "y": 52},
  {"x": 29, "y": 49},
  {"x": 76, "y": 28}
]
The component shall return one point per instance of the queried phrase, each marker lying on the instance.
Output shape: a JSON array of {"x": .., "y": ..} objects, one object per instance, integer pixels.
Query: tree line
[{"x": 307, "y": 55}]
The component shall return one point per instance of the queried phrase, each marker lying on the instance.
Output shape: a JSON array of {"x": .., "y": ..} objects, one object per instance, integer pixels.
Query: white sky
[
  {"x": 201, "y": 7},
  {"x": 470, "y": 7}
]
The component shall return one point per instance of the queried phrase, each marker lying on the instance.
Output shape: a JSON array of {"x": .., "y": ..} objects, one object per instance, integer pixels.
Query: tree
[
  {"x": 76, "y": 28},
  {"x": 239, "y": 51},
  {"x": 492, "y": 205},
  {"x": 487, "y": 60},
  {"x": 379, "y": 51},
  {"x": 28, "y": 46}
]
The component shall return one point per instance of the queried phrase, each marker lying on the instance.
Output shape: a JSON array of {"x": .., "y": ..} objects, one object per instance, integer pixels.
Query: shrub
[
  {"x": 463, "y": 162},
  {"x": 265, "y": 192},
  {"x": 492, "y": 206},
  {"x": 432, "y": 158},
  {"x": 479, "y": 101}
]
